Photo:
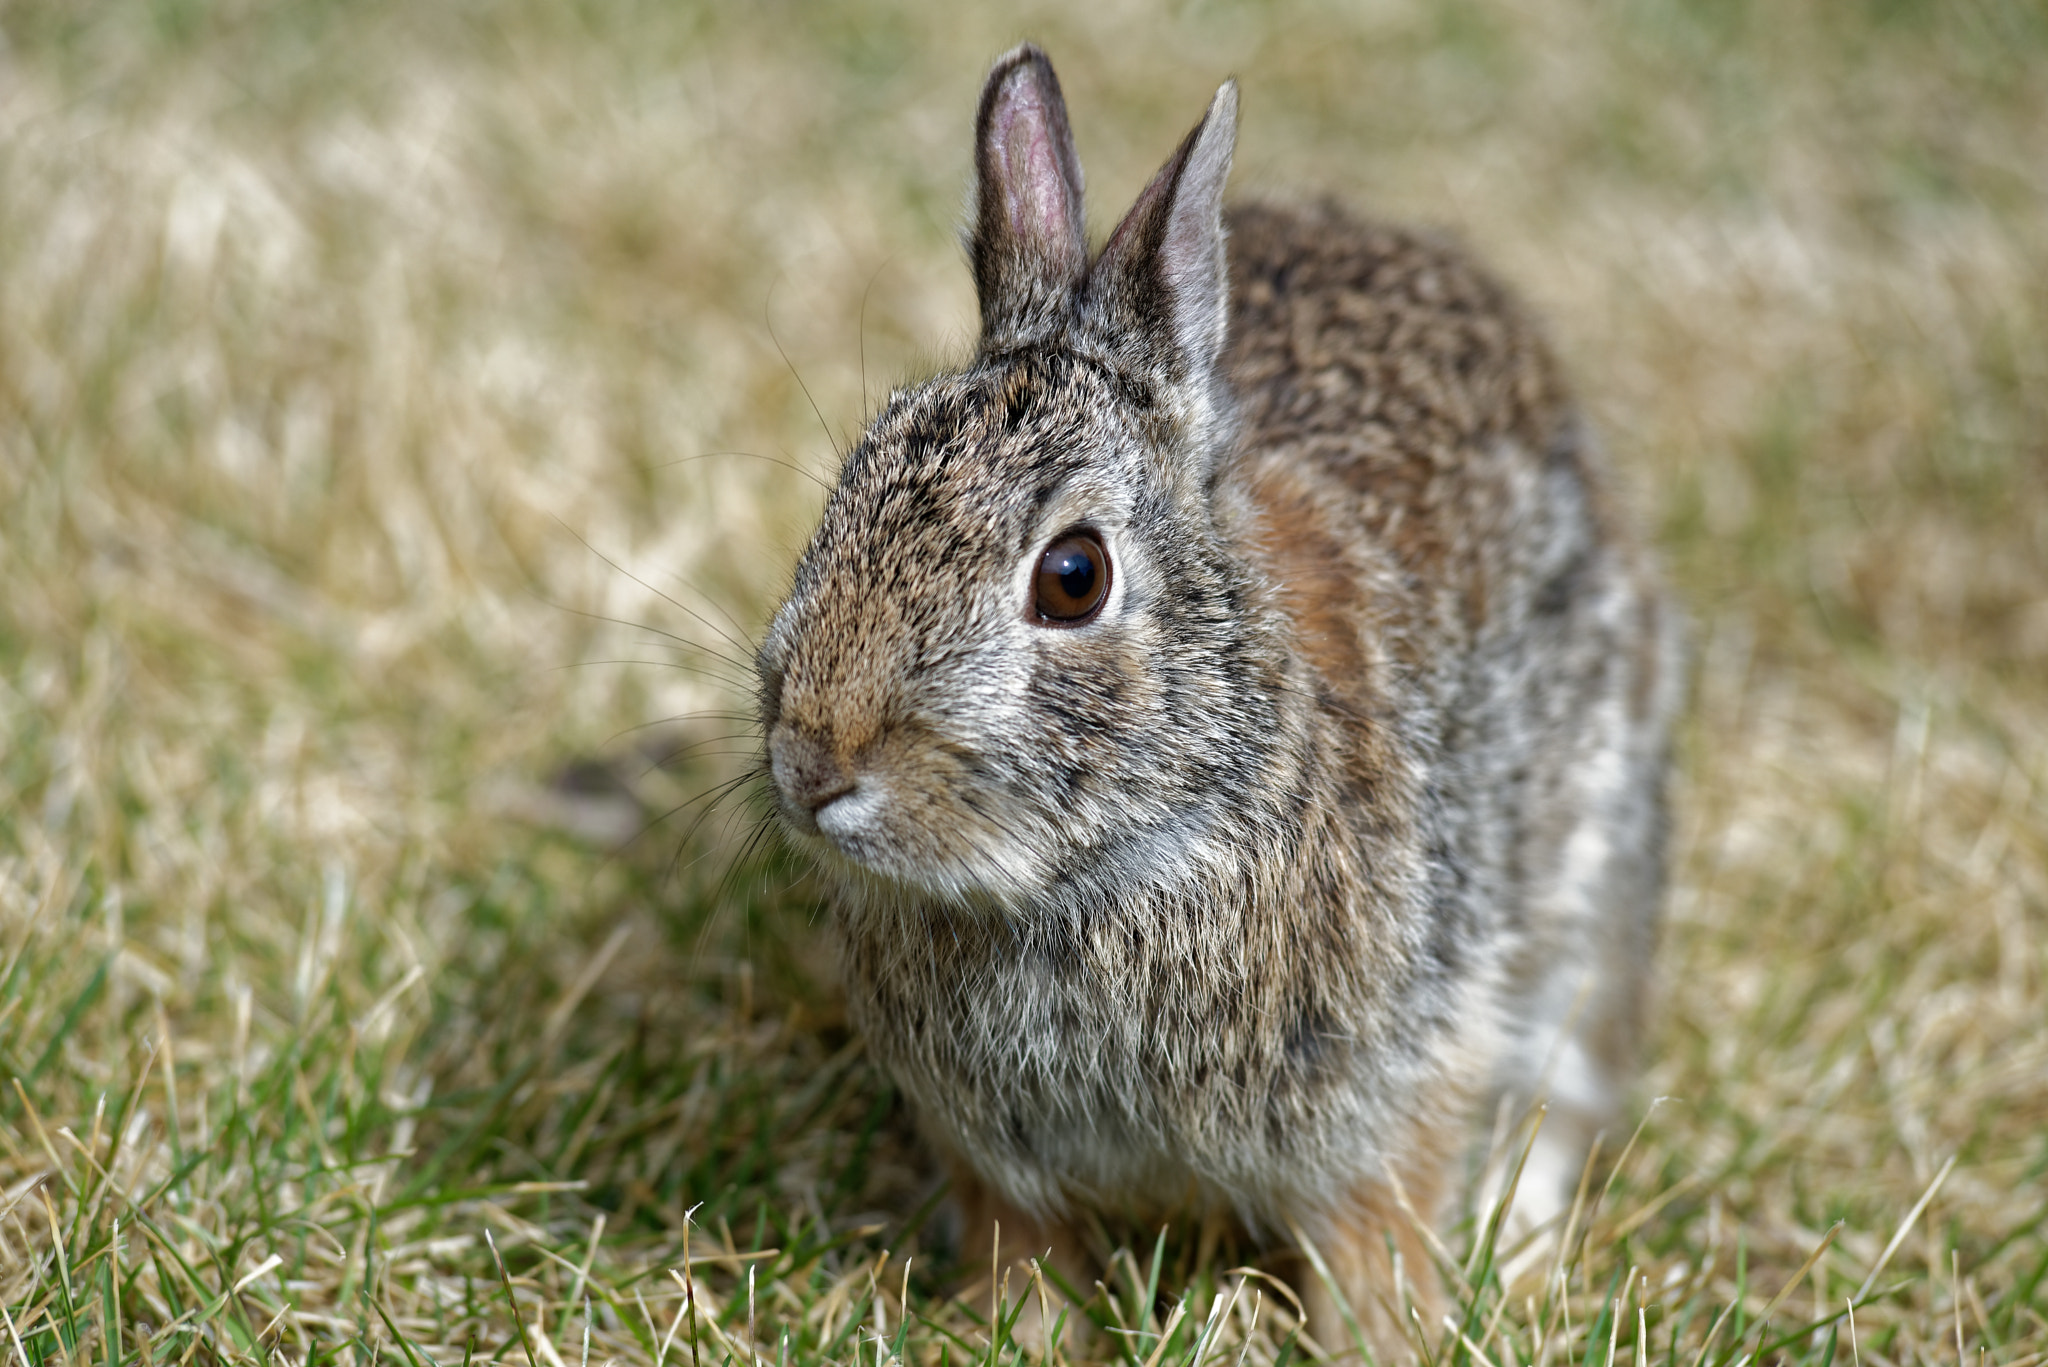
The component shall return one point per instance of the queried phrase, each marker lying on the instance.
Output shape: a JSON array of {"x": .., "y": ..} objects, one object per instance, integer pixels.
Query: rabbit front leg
[
  {"x": 1378, "y": 1281},
  {"x": 1015, "y": 1239}
]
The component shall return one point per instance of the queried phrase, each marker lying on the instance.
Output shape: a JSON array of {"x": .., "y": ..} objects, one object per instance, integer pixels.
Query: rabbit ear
[
  {"x": 1029, "y": 246},
  {"x": 1162, "y": 273}
]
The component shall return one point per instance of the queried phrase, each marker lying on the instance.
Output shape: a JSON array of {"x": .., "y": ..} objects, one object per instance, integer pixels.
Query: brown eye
[{"x": 1072, "y": 581}]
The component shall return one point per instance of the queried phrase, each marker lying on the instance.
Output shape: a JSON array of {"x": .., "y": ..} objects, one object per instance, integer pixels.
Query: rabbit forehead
[
  {"x": 916, "y": 553},
  {"x": 964, "y": 468}
]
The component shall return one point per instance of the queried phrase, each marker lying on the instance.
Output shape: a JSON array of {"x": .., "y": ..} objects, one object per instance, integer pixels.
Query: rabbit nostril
[
  {"x": 806, "y": 772},
  {"x": 823, "y": 796}
]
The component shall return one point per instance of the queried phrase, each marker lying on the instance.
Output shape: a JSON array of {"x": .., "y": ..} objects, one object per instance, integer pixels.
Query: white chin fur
[
  {"x": 968, "y": 868},
  {"x": 850, "y": 822}
]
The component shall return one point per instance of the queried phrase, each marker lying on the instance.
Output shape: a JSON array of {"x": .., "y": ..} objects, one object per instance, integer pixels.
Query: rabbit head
[{"x": 1016, "y": 655}]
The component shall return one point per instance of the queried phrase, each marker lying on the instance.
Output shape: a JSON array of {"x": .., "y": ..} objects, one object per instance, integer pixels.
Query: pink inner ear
[{"x": 1032, "y": 188}]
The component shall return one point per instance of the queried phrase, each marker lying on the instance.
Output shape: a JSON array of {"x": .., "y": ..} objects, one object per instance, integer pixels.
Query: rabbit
[{"x": 1231, "y": 717}]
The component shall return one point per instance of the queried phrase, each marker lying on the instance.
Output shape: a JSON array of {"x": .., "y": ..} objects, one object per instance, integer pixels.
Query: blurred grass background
[{"x": 400, "y": 406}]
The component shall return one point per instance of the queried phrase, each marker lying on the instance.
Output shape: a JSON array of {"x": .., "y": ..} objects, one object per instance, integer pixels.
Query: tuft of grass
[{"x": 408, "y": 414}]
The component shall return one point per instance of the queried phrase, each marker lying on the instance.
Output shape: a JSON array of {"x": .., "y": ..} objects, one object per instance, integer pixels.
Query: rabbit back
[{"x": 1442, "y": 534}]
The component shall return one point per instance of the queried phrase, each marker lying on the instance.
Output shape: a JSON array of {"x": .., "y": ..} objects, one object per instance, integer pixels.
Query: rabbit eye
[{"x": 1072, "y": 580}]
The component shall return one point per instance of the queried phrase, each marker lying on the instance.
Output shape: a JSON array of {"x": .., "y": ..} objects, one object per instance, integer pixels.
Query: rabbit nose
[{"x": 806, "y": 773}]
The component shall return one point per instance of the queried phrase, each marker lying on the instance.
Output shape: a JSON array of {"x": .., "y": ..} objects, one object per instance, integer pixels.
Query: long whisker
[
  {"x": 861, "y": 331},
  {"x": 723, "y": 791},
  {"x": 618, "y": 853},
  {"x": 669, "y": 757},
  {"x": 677, "y": 719},
  {"x": 768, "y": 321},
  {"x": 748, "y": 752},
  {"x": 712, "y": 599},
  {"x": 713, "y": 794},
  {"x": 743, "y": 684},
  {"x": 720, "y": 893},
  {"x": 742, "y": 647},
  {"x": 746, "y": 666},
  {"x": 810, "y": 475},
  {"x": 727, "y": 888}
]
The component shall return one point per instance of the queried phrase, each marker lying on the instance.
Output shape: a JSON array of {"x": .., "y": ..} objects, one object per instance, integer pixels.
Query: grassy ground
[{"x": 388, "y": 394}]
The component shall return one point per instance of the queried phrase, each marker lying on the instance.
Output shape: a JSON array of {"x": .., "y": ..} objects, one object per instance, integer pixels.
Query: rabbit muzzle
[{"x": 809, "y": 778}]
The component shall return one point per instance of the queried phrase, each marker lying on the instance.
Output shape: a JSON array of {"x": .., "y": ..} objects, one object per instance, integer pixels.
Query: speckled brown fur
[{"x": 1341, "y": 824}]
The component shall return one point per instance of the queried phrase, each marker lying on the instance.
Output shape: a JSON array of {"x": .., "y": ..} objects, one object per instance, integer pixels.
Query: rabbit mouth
[
  {"x": 898, "y": 819},
  {"x": 847, "y": 819},
  {"x": 865, "y": 837}
]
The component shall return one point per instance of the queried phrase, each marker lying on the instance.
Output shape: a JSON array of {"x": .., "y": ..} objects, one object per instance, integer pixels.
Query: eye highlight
[{"x": 1072, "y": 580}]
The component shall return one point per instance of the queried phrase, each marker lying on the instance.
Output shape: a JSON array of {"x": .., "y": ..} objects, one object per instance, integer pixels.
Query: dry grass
[{"x": 364, "y": 378}]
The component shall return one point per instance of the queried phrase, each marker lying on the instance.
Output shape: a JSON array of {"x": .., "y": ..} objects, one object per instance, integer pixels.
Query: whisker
[
  {"x": 737, "y": 684},
  {"x": 652, "y": 763},
  {"x": 713, "y": 793},
  {"x": 808, "y": 474},
  {"x": 723, "y": 892},
  {"x": 768, "y": 321},
  {"x": 738, "y": 645},
  {"x": 861, "y": 331},
  {"x": 744, "y": 665},
  {"x": 748, "y": 752},
  {"x": 677, "y": 719},
  {"x": 712, "y": 599},
  {"x": 723, "y": 791},
  {"x": 731, "y": 680},
  {"x": 727, "y": 887}
]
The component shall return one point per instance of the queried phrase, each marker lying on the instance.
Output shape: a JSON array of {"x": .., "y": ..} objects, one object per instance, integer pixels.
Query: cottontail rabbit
[{"x": 1232, "y": 718}]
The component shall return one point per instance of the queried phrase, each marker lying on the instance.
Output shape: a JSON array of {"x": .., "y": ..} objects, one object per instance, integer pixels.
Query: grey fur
[{"x": 1346, "y": 813}]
